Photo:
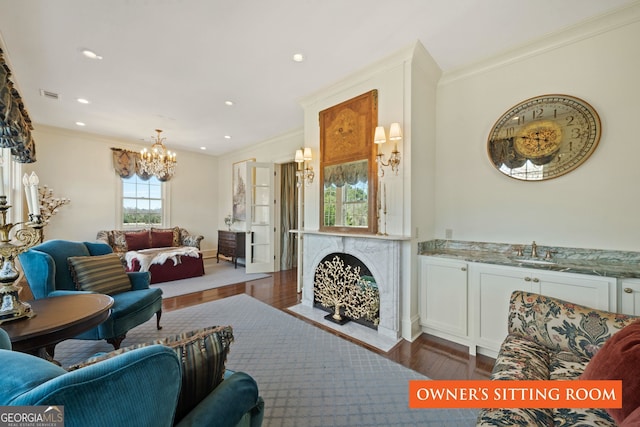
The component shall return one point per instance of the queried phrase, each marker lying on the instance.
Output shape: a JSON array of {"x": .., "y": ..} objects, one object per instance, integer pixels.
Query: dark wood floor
[{"x": 431, "y": 356}]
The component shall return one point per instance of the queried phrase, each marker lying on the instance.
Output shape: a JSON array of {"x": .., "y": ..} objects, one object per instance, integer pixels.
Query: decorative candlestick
[
  {"x": 378, "y": 211},
  {"x": 385, "y": 209},
  {"x": 28, "y": 236},
  {"x": 24, "y": 237}
]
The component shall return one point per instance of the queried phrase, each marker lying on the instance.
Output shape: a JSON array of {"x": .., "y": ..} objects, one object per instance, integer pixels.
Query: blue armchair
[
  {"x": 137, "y": 388},
  {"x": 46, "y": 270}
]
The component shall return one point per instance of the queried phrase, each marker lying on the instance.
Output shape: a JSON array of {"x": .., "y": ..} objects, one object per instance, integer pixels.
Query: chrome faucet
[{"x": 534, "y": 250}]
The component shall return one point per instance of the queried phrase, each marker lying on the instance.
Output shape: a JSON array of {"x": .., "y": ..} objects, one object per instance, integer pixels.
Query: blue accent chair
[
  {"x": 46, "y": 270},
  {"x": 137, "y": 388}
]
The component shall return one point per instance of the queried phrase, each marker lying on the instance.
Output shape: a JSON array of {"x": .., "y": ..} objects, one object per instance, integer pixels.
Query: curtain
[
  {"x": 288, "y": 216},
  {"x": 15, "y": 124},
  {"x": 127, "y": 163},
  {"x": 346, "y": 173}
]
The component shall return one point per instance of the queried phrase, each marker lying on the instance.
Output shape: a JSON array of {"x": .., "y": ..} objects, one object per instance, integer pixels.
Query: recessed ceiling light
[
  {"x": 298, "y": 57},
  {"x": 80, "y": 124},
  {"x": 203, "y": 148},
  {"x": 227, "y": 137},
  {"x": 228, "y": 103},
  {"x": 90, "y": 54},
  {"x": 82, "y": 101}
]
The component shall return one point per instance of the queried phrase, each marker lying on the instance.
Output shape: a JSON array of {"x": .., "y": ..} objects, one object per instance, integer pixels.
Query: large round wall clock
[{"x": 544, "y": 137}]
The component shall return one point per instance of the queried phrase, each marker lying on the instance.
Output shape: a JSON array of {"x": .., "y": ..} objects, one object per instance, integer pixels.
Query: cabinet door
[
  {"x": 630, "y": 296},
  {"x": 494, "y": 286},
  {"x": 443, "y": 302},
  {"x": 590, "y": 291}
]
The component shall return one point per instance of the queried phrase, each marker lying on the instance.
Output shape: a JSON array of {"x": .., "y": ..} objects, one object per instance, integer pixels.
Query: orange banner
[{"x": 515, "y": 394}]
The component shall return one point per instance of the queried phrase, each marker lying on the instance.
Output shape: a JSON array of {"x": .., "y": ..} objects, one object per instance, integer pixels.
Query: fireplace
[
  {"x": 344, "y": 286},
  {"x": 381, "y": 256}
]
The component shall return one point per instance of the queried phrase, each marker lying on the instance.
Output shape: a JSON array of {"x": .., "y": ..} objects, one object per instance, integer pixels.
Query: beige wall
[
  {"x": 594, "y": 206},
  {"x": 447, "y": 185},
  {"x": 78, "y": 166},
  {"x": 277, "y": 150}
]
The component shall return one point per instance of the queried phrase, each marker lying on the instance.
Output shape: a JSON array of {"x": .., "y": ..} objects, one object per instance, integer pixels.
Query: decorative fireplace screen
[{"x": 344, "y": 286}]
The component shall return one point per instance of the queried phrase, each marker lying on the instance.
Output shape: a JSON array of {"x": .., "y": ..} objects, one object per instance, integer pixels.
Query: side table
[
  {"x": 57, "y": 319},
  {"x": 231, "y": 244}
]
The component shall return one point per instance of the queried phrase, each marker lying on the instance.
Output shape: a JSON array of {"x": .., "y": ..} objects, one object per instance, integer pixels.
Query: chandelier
[{"x": 158, "y": 161}]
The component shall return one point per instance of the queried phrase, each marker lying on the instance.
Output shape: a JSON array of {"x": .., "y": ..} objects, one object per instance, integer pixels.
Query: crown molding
[
  {"x": 587, "y": 29},
  {"x": 359, "y": 77}
]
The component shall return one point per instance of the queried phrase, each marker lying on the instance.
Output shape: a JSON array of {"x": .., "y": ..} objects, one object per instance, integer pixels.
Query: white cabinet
[
  {"x": 492, "y": 286},
  {"x": 630, "y": 296},
  {"x": 468, "y": 302},
  {"x": 592, "y": 291},
  {"x": 443, "y": 297}
]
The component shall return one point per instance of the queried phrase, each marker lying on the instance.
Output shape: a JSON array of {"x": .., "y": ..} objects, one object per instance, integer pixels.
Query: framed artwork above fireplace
[{"x": 348, "y": 178}]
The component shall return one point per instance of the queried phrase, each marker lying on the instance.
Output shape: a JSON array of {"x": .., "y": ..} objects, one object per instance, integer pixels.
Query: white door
[{"x": 260, "y": 240}]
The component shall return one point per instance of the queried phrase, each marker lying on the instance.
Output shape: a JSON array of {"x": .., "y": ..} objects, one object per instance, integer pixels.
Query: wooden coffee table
[{"x": 57, "y": 319}]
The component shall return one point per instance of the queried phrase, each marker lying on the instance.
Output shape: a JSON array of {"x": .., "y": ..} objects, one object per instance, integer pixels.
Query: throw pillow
[
  {"x": 176, "y": 234},
  {"x": 161, "y": 239},
  {"x": 203, "y": 354},
  {"x": 117, "y": 241},
  {"x": 632, "y": 420},
  {"x": 104, "y": 274},
  {"x": 137, "y": 240},
  {"x": 618, "y": 359}
]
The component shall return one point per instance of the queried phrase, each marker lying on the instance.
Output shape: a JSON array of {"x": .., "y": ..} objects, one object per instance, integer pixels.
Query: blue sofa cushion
[
  {"x": 139, "y": 388},
  {"x": 203, "y": 354},
  {"x": 18, "y": 378},
  {"x": 126, "y": 303},
  {"x": 60, "y": 250},
  {"x": 103, "y": 274}
]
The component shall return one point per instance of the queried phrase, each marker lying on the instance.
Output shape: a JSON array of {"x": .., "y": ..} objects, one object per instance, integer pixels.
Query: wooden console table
[
  {"x": 57, "y": 319},
  {"x": 231, "y": 244}
]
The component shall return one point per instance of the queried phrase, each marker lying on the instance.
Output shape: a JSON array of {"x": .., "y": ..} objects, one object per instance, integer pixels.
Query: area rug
[
  {"x": 307, "y": 376},
  {"x": 215, "y": 275}
]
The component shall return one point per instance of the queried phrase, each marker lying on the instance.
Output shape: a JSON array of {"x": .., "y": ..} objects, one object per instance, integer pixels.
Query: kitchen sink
[{"x": 534, "y": 261}]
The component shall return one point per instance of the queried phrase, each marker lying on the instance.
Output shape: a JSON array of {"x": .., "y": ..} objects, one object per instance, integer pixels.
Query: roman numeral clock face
[{"x": 544, "y": 137}]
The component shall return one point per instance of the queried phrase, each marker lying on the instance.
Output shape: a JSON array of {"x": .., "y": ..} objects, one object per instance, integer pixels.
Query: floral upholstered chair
[{"x": 550, "y": 339}]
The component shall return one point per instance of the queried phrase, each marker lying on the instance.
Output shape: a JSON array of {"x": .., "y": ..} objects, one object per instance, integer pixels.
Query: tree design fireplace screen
[{"x": 344, "y": 286}]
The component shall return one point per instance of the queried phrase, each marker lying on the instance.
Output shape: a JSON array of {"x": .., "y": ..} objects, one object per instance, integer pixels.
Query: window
[
  {"x": 330, "y": 205},
  {"x": 349, "y": 199},
  {"x": 355, "y": 204},
  {"x": 142, "y": 202}
]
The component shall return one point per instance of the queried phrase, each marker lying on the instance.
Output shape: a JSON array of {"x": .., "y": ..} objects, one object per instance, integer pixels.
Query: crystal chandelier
[{"x": 158, "y": 161}]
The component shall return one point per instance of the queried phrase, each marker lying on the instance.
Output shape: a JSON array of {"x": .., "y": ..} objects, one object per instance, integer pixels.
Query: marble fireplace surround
[{"x": 381, "y": 255}]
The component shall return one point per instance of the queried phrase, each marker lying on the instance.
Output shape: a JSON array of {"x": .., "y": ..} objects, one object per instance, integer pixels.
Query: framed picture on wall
[{"x": 239, "y": 190}]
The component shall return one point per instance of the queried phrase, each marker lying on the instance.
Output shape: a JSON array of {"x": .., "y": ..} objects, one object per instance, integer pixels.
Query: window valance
[
  {"x": 127, "y": 163},
  {"x": 15, "y": 124},
  {"x": 346, "y": 173}
]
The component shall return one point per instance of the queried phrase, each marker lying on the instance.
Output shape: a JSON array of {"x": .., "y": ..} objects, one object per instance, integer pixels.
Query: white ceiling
[{"x": 171, "y": 64}]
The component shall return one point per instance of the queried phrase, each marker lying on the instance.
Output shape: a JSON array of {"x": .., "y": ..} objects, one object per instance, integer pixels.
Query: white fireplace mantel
[
  {"x": 381, "y": 255},
  {"x": 357, "y": 235}
]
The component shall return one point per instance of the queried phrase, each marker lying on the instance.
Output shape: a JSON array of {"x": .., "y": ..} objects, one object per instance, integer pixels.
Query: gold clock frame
[{"x": 544, "y": 137}]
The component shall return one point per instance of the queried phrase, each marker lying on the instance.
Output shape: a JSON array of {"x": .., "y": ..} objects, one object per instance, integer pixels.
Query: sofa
[
  {"x": 143, "y": 387},
  {"x": 551, "y": 339},
  {"x": 48, "y": 270},
  {"x": 167, "y": 253}
]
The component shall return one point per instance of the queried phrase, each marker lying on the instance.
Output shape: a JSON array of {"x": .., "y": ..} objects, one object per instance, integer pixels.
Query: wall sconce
[
  {"x": 305, "y": 171},
  {"x": 395, "y": 135}
]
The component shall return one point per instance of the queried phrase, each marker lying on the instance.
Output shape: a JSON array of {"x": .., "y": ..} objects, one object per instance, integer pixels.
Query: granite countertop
[{"x": 569, "y": 260}]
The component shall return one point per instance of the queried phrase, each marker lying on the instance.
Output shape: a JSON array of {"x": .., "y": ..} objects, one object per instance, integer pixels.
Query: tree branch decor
[
  {"x": 48, "y": 204},
  {"x": 341, "y": 287}
]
